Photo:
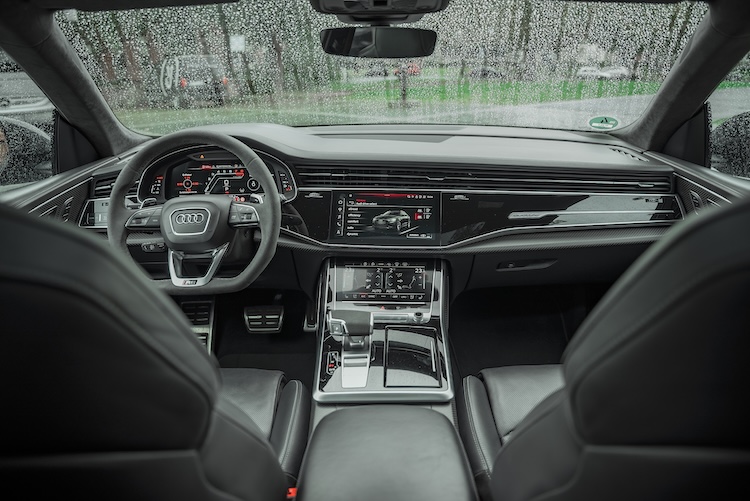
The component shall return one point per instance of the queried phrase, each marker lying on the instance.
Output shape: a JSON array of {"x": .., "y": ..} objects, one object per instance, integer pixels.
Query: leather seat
[
  {"x": 649, "y": 402},
  {"x": 280, "y": 408},
  {"x": 108, "y": 394}
]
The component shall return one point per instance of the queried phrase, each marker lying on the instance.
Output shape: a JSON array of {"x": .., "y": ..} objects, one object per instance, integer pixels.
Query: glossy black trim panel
[{"x": 470, "y": 215}]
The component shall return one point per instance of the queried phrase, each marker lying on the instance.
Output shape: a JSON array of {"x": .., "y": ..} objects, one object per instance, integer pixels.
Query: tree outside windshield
[{"x": 534, "y": 63}]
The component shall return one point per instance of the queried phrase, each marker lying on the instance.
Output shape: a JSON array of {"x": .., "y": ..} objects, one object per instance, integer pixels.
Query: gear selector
[{"x": 355, "y": 327}]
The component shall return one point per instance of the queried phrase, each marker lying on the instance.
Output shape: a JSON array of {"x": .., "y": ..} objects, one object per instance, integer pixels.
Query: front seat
[
  {"x": 650, "y": 401},
  {"x": 107, "y": 394}
]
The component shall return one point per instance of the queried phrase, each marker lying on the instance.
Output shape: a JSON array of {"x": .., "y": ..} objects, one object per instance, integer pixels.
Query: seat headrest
[
  {"x": 94, "y": 358},
  {"x": 662, "y": 359}
]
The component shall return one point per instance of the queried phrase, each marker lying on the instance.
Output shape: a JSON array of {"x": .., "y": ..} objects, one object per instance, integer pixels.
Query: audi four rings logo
[{"x": 189, "y": 218}]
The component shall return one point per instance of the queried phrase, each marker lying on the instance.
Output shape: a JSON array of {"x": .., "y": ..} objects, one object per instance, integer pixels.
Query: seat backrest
[
  {"x": 656, "y": 379},
  {"x": 106, "y": 392}
]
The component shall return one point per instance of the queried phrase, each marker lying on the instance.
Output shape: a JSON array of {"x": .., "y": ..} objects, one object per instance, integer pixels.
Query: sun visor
[{"x": 119, "y": 4}]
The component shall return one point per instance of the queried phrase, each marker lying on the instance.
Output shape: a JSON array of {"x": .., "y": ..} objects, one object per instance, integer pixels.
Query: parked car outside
[
  {"x": 589, "y": 72},
  {"x": 190, "y": 79},
  {"x": 616, "y": 72}
]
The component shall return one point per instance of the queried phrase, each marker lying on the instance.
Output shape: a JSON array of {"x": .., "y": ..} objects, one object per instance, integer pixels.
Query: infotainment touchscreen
[{"x": 396, "y": 218}]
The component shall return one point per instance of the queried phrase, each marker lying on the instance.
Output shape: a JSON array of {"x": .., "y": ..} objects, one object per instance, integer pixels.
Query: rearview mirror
[{"x": 378, "y": 41}]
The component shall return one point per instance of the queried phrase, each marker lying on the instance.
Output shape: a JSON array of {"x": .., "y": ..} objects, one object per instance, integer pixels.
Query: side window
[
  {"x": 26, "y": 122},
  {"x": 730, "y": 122}
]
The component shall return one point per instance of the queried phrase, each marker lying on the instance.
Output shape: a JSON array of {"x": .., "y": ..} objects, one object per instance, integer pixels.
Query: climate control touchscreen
[
  {"x": 388, "y": 218},
  {"x": 384, "y": 281}
]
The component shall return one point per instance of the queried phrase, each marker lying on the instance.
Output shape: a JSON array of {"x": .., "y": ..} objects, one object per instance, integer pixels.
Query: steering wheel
[{"x": 199, "y": 227}]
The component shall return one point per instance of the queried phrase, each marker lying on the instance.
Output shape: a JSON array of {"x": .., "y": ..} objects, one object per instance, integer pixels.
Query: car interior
[{"x": 385, "y": 309}]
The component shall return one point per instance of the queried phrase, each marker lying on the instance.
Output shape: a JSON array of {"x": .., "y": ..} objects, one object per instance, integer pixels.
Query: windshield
[{"x": 531, "y": 63}]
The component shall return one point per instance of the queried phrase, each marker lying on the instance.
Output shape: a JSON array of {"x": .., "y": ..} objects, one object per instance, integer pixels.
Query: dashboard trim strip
[{"x": 478, "y": 238}]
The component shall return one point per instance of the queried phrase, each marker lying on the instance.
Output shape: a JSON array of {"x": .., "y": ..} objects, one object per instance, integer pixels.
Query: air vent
[
  {"x": 696, "y": 200},
  {"x": 629, "y": 154},
  {"x": 199, "y": 314},
  {"x": 66, "y": 209},
  {"x": 480, "y": 178},
  {"x": 103, "y": 188}
]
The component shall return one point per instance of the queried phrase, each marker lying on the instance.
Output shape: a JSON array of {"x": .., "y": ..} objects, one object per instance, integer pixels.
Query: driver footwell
[{"x": 292, "y": 350}]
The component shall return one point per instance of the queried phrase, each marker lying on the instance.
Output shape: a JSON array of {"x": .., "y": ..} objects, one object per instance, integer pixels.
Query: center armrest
[{"x": 394, "y": 452}]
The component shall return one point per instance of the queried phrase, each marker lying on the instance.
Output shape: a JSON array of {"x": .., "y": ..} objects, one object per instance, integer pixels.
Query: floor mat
[
  {"x": 513, "y": 326},
  {"x": 292, "y": 350}
]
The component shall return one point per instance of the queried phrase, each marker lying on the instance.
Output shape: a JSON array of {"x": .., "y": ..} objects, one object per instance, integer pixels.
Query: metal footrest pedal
[{"x": 264, "y": 319}]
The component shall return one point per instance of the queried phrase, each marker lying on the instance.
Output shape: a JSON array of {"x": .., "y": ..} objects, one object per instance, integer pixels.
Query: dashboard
[
  {"x": 503, "y": 207},
  {"x": 425, "y": 200}
]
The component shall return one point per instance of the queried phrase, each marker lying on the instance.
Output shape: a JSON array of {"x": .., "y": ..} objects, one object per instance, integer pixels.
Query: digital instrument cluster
[
  {"x": 213, "y": 179},
  {"x": 212, "y": 173}
]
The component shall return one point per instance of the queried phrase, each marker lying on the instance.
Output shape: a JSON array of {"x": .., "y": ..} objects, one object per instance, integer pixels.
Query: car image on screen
[{"x": 392, "y": 220}]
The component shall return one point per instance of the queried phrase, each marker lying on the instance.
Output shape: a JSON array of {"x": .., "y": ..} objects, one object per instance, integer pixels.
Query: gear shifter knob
[{"x": 350, "y": 322}]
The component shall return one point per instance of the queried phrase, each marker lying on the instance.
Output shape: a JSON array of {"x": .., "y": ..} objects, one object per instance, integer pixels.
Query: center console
[
  {"x": 383, "y": 335},
  {"x": 382, "y": 340}
]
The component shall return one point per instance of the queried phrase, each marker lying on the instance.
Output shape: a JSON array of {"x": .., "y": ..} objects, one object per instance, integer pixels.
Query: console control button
[{"x": 332, "y": 362}]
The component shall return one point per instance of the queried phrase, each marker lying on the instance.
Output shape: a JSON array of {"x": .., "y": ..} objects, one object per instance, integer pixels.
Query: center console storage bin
[{"x": 393, "y": 452}]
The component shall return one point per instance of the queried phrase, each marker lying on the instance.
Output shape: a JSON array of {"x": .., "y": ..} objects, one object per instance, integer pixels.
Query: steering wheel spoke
[{"x": 178, "y": 260}]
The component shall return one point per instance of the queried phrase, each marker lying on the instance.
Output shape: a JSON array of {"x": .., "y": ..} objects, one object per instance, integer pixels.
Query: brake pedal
[{"x": 264, "y": 319}]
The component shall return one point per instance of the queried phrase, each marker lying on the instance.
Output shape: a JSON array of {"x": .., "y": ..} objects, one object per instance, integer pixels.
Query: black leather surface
[
  {"x": 117, "y": 361},
  {"x": 478, "y": 432},
  {"x": 514, "y": 391},
  {"x": 256, "y": 392},
  {"x": 280, "y": 410},
  {"x": 493, "y": 406},
  {"x": 237, "y": 458},
  {"x": 662, "y": 358},
  {"x": 107, "y": 391},
  {"x": 380, "y": 452},
  {"x": 291, "y": 428}
]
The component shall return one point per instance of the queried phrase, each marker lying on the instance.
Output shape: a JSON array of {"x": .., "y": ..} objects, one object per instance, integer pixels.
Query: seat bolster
[
  {"x": 256, "y": 392},
  {"x": 291, "y": 428},
  {"x": 233, "y": 439},
  {"x": 514, "y": 391},
  {"x": 478, "y": 433}
]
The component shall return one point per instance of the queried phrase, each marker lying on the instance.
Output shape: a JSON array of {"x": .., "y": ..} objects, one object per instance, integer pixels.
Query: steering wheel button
[{"x": 137, "y": 221}]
